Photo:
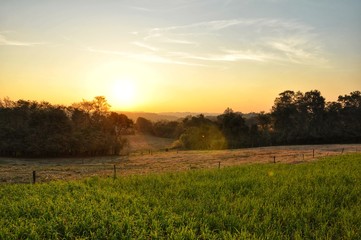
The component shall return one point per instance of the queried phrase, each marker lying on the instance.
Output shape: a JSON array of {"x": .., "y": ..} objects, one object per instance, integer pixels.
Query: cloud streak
[
  {"x": 256, "y": 40},
  {"x": 6, "y": 42},
  {"x": 146, "y": 57},
  {"x": 218, "y": 42},
  {"x": 228, "y": 56},
  {"x": 143, "y": 45}
]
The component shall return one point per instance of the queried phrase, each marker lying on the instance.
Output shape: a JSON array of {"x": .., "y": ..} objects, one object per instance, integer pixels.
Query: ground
[{"x": 149, "y": 155}]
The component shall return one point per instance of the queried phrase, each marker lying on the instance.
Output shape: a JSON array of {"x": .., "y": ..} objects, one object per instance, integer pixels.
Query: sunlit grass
[{"x": 318, "y": 200}]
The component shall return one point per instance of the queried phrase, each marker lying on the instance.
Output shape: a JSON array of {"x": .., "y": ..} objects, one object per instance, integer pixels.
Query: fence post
[
  {"x": 303, "y": 156},
  {"x": 219, "y": 165},
  {"x": 342, "y": 150},
  {"x": 115, "y": 172},
  {"x": 274, "y": 159},
  {"x": 34, "y": 177}
]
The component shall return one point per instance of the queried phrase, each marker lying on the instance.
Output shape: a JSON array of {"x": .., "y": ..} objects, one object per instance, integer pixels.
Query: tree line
[
  {"x": 40, "y": 129},
  {"x": 89, "y": 128},
  {"x": 295, "y": 118}
]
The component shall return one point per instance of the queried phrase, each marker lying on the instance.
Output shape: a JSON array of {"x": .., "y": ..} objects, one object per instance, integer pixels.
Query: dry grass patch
[{"x": 144, "y": 162}]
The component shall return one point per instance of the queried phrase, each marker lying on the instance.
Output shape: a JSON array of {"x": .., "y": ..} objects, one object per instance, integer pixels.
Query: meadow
[
  {"x": 148, "y": 155},
  {"x": 309, "y": 200}
]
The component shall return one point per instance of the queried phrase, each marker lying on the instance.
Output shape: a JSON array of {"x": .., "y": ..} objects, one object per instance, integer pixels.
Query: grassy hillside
[
  {"x": 141, "y": 142},
  {"x": 317, "y": 200}
]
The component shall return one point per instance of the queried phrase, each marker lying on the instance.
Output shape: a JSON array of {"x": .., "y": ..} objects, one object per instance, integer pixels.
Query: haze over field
[{"x": 174, "y": 56}]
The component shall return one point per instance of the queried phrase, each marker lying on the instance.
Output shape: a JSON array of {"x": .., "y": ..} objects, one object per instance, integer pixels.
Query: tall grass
[{"x": 318, "y": 200}]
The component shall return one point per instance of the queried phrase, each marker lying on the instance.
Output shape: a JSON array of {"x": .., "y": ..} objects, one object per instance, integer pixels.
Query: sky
[{"x": 179, "y": 55}]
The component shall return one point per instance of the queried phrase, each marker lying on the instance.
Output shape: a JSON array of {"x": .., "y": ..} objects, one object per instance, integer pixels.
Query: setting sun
[
  {"x": 178, "y": 56},
  {"x": 123, "y": 93},
  {"x": 242, "y": 115}
]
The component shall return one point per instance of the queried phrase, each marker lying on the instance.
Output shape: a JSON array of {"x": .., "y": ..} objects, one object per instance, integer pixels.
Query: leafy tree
[
  {"x": 284, "y": 114},
  {"x": 203, "y": 137},
  {"x": 29, "y": 128},
  {"x": 351, "y": 115},
  {"x": 144, "y": 125},
  {"x": 166, "y": 129},
  {"x": 234, "y": 128},
  {"x": 298, "y": 117},
  {"x": 315, "y": 106},
  {"x": 265, "y": 129}
]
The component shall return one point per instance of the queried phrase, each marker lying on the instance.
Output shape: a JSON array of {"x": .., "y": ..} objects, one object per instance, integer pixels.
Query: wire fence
[{"x": 150, "y": 161}]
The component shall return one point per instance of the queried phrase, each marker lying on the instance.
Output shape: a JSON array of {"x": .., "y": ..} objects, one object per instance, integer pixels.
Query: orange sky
[{"x": 162, "y": 56}]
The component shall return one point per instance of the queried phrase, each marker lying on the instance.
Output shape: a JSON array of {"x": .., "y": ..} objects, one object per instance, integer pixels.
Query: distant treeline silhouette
[
  {"x": 88, "y": 128},
  {"x": 39, "y": 129},
  {"x": 295, "y": 118}
]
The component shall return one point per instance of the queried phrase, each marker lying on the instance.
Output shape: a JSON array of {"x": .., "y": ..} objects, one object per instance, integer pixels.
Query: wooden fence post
[
  {"x": 303, "y": 156},
  {"x": 274, "y": 159},
  {"x": 219, "y": 165},
  {"x": 342, "y": 150},
  {"x": 34, "y": 177},
  {"x": 115, "y": 172}
]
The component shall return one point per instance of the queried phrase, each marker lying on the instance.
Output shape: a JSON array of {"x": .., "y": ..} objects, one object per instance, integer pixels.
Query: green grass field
[{"x": 317, "y": 200}]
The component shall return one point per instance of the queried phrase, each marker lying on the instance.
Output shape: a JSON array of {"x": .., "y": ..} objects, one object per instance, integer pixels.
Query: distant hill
[
  {"x": 154, "y": 117},
  {"x": 185, "y": 114},
  {"x": 169, "y": 116},
  {"x": 175, "y": 116}
]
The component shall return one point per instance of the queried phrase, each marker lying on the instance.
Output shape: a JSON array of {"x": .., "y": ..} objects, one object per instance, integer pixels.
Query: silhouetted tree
[
  {"x": 39, "y": 129},
  {"x": 144, "y": 126},
  {"x": 234, "y": 128},
  {"x": 29, "y": 128},
  {"x": 166, "y": 129},
  {"x": 284, "y": 113},
  {"x": 202, "y": 133},
  {"x": 351, "y": 115}
]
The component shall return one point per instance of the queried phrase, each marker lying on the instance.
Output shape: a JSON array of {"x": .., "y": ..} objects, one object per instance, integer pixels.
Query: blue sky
[{"x": 172, "y": 55}]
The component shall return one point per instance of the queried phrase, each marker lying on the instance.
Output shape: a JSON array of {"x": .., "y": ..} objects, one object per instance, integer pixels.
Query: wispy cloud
[
  {"x": 103, "y": 51},
  {"x": 299, "y": 50},
  {"x": 142, "y": 9},
  {"x": 254, "y": 39},
  {"x": 143, "y": 45},
  {"x": 166, "y": 6},
  {"x": 227, "y": 56},
  {"x": 218, "y": 42},
  {"x": 146, "y": 57},
  {"x": 236, "y": 55},
  {"x": 6, "y": 42},
  {"x": 217, "y": 25},
  {"x": 178, "y": 41}
]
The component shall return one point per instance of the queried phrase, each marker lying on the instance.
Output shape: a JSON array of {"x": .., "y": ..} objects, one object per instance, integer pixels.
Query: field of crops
[{"x": 313, "y": 200}]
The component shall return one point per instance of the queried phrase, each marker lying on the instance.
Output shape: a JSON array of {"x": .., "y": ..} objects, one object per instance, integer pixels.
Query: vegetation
[
  {"x": 295, "y": 118},
  {"x": 30, "y": 128},
  {"x": 318, "y": 200},
  {"x": 306, "y": 118},
  {"x": 33, "y": 129}
]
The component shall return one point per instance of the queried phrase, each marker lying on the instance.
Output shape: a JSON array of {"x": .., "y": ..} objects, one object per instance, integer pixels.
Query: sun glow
[{"x": 123, "y": 94}]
